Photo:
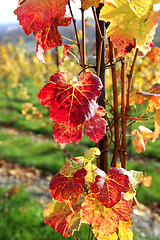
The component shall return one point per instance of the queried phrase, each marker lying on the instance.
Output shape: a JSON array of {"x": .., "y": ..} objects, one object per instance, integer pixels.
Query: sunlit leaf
[
  {"x": 91, "y": 153},
  {"x": 100, "y": 236},
  {"x": 50, "y": 37},
  {"x": 89, "y": 3},
  {"x": 95, "y": 128},
  {"x": 61, "y": 218},
  {"x": 67, "y": 169},
  {"x": 153, "y": 54},
  {"x": 131, "y": 21},
  {"x": 66, "y": 50},
  {"x": 76, "y": 101},
  {"x": 63, "y": 187},
  {"x": 38, "y": 14},
  {"x": 138, "y": 142},
  {"x": 109, "y": 187},
  {"x": 66, "y": 134},
  {"x": 147, "y": 181},
  {"x": 125, "y": 232},
  {"x": 105, "y": 220}
]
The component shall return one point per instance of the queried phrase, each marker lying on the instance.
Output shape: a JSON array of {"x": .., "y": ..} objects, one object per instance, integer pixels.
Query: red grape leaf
[
  {"x": 130, "y": 23},
  {"x": 66, "y": 50},
  {"x": 95, "y": 128},
  {"x": 89, "y": 3},
  {"x": 76, "y": 101},
  {"x": 38, "y": 14},
  {"x": 105, "y": 220},
  {"x": 61, "y": 218},
  {"x": 66, "y": 134},
  {"x": 109, "y": 187},
  {"x": 50, "y": 37},
  {"x": 63, "y": 188}
]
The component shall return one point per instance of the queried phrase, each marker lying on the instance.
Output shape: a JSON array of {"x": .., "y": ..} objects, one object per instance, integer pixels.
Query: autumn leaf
[
  {"x": 76, "y": 101},
  {"x": 135, "y": 178},
  {"x": 66, "y": 51},
  {"x": 91, "y": 153},
  {"x": 95, "y": 128},
  {"x": 125, "y": 232},
  {"x": 141, "y": 138},
  {"x": 67, "y": 187},
  {"x": 38, "y": 14},
  {"x": 147, "y": 181},
  {"x": 67, "y": 169},
  {"x": 153, "y": 54},
  {"x": 100, "y": 236},
  {"x": 130, "y": 23},
  {"x": 89, "y": 3},
  {"x": 66, "y": 134},
  {"x": 61, "y": 218},
  {"x": 105, "y": 220},
  {"x": 109, "y": 187}
]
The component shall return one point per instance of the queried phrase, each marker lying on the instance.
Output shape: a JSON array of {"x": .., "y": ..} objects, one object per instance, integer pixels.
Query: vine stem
[
  {"x": 115, "y": 102},
  {"x": 76, "y": 33},
  {"x": 100, "y": 64},
  {"x": 100, "y": 41},
  {"x": 123, "y": 148},
  {"x": 69, "y": 39},
  {"x": 130, "y": 81},
  {"x": 83, "y": 37}
]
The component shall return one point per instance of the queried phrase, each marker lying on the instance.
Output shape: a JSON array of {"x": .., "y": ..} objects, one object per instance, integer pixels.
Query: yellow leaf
[
  {"x": 125, "y": 232},
  {"x": 91, "y": 154}
]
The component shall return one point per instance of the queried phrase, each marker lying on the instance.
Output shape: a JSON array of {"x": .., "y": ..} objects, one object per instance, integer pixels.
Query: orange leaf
[
  {"x": 153, "y": 54},
  {"x": 138, "y": 142},
  {"x": 147, "y": 181},
  {"x": 61, "y": 218},
  {"x": 105, "y": 220}
]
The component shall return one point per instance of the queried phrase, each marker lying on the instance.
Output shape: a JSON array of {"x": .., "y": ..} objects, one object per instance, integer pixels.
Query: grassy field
[{"x": 30, "y": 143}]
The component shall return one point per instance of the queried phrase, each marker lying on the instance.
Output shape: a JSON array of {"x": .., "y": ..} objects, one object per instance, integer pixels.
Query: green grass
[{"x": 22, "y": 218}]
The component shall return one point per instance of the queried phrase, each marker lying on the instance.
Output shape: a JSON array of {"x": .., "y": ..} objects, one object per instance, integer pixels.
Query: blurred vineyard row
[{"x": 17, "y": 65}]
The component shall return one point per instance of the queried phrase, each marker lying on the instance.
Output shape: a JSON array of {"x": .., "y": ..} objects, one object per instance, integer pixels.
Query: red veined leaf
[
  {"x": 110, "y": 186},
  {"x": 95, "y": 128},
  {"x": 50, "y": 37},
  {"x": 75, "y": 101},
  {"x": 66, "y": 50},
  {"x": 105, "y": 220},
  {"x": 89, "y": 3},
  {"x": 38, "y": 14},
  {"x": 63, "y": 188},
  {"x": 66, "y": 134},
  {"x": 61, "y": 218}
]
